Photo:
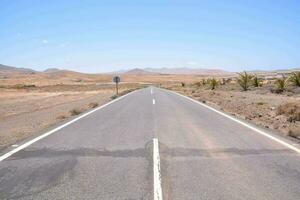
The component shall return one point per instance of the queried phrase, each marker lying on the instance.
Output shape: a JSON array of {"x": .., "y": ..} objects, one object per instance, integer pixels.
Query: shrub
[
  {"x": 281, "y": 84},
  {"x": 244, "y": 80},
  {"x": 182, "y": 84},
  {"x": 76, "y": 111},
  {"x": 213, "y": 83},
  {"x": 114, "y": 96},
  {"x": 291, "y": 110},
  {"x": 256, "y": 82},
  {"x": 93, "y": 105},
  {"x": 294, "y": 132},
  {"x": 203, "y": 81},
  {"x": 61, "y": 117},
  {"x": 294, "y": 79},
  {"x": 223, "y": 81}
]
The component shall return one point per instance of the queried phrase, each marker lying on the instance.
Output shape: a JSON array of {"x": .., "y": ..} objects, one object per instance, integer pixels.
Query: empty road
[{"x": 121, "y": 150}]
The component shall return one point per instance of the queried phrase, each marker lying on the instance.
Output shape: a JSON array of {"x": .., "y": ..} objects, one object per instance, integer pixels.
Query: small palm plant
[
  {"x": 281, "y": 83},
  {"x": 213, "y": 83},
  {"x": 256, "y": 81},
  {"x": 244, "y": 80},
  {"x": 294, "y": 79}
]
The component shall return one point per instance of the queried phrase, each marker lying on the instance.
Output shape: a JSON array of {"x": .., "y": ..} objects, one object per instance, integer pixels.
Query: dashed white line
[
  {"x": 151, "y": 91},
  {"x": 153, "y": 101},
  {"x": 19, "y": 148},
  {"x": 156, "y": 171}
]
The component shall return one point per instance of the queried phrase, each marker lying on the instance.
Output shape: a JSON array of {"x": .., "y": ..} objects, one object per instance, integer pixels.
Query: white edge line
[
  {"x": 242, "y": 123},
  {"x": 157, "y": 190},
  {"x": 19, "y": 148}
]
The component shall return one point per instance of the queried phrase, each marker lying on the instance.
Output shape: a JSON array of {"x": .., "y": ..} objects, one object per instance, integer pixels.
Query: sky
[{"x": 109, "y": 35}]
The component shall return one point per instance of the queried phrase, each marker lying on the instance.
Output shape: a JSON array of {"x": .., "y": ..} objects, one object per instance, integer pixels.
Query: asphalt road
[{"x": 109, "y": 155}]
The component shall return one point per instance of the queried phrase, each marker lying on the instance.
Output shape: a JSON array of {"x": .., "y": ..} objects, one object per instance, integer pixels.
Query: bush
[
  {"x": 182, "y": 84},
  {"x": 76, "y": 111},
  {"x": 294, "y": 79},
  {"x": 223, "y": 81},
  {"x": 244, "y": 80},
  {"x": 294, "y": 132},
  {"x": 291, "y": 110},
  {"x": 24, "y": 86},
  {"x": 256, "y": 82},
  {"x": 213, "y": 83},
  {"x": 93, "y": 105},
  {"x": 280, "y": 84}
]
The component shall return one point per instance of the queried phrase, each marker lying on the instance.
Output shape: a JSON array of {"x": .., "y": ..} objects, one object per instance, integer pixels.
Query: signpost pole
[
  {"x": 117, "y": 79},
  {"x": 117, "y": 87}
]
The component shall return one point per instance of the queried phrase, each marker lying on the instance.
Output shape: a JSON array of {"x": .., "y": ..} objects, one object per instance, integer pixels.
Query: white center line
[
  {"x": 153, "y": 101},
  {"x": 156, "y": 171},
  {"x": 151, "y": 91}
]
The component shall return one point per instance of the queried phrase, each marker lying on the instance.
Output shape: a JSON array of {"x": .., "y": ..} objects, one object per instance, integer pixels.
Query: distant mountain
[
  {"x": 138, "y": 71},
  {"x": 51, "y": 70},
  {"x": 9, "y": 69},
  {"x": 185, "y": 70}
]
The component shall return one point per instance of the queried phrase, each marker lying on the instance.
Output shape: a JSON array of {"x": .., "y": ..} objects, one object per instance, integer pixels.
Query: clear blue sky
[{"x": 109, "y": 35}]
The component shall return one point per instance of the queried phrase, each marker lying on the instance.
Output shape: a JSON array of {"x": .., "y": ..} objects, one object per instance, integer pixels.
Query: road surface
[{"x": 111, "y": 154}]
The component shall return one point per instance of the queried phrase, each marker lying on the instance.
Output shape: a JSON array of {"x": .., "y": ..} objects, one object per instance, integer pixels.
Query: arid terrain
[
  {"x": 31, "y": 102},
  {"x": 259, "y": 105}
]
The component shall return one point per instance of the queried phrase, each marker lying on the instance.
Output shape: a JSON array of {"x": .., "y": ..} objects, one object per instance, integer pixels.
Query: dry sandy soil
[
  {"x": 30, "y": 104},
  {"x": 275, "y": 111}
]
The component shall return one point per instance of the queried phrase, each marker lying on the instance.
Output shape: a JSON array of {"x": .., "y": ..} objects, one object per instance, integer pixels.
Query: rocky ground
[{"x": 275, "y": 111}]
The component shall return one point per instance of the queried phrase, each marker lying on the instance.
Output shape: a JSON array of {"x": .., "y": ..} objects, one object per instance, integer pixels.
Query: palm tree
[
  {"x": 213, "y": 83},
  {"x": 281, "y": 83},
  {"x": 256, "y": 81},
  {"x": 244, "y": 80},
  {"x": 294, "y": 79}
]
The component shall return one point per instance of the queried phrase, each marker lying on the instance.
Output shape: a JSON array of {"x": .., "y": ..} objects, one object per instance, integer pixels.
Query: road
[{"x": 108, "y": 154}]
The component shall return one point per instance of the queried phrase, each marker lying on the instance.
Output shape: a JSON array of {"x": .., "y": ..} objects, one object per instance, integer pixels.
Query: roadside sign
[{"x": 117, "y": 80}]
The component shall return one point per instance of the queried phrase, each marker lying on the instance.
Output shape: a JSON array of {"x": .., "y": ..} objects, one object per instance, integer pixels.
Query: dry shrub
[
  {"x": 76, "y": 111},
  {"x": 93, "y": 105},
  {"x": 291, "y": 110},
  {"x": 62, "y": 117},
  {"x": 294, "y": 132}
]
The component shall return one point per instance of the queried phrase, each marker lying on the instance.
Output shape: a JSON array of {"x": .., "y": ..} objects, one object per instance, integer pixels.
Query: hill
[
  {"x": 138, "y": 71},
  {"x": 185, "y": 70},
  {"x": 9, "y": 69}
]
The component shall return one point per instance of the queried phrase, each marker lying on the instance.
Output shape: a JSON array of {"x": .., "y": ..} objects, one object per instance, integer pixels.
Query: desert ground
[
  {"x": 31, "y": 103},
  {"x": 261, "y": 106}
]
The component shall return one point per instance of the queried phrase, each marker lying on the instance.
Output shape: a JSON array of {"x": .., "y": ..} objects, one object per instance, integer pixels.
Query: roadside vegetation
[
  {"x": 269, "y": 101},
  {"x": 213, "y": 83},
  {"x": 244, "y": 80}
]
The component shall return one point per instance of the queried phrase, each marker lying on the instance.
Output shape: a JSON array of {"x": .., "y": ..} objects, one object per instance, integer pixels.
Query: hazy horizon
[{"x": 96, "y": 37}]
